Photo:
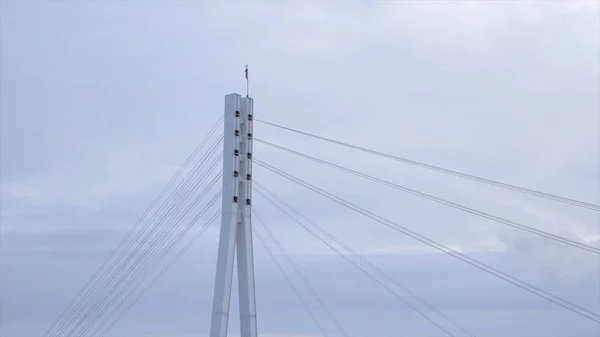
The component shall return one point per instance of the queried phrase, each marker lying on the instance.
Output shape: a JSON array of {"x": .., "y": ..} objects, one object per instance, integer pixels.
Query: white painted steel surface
[{"x": 236, "y": 230}]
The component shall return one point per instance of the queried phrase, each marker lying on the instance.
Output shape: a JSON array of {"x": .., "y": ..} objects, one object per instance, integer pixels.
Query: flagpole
[{"x": 247, "y": 83}]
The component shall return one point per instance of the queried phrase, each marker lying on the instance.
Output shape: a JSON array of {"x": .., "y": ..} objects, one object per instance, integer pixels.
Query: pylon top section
[{"x": 236, "y": 231}]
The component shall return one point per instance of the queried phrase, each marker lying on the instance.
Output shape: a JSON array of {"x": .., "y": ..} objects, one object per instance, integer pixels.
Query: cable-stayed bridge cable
[
  {"x": 85, "y": 301},
  {"x": 486, "y": 215},
  {"x": 438, "y": 246},
  {"x": 300, "y": 274},
  {"x": 100, "y": 297},
  {"x": 158, "y": 276},
  {"x": 273, "y": 199},
  {"x": 471, "y": 177},
  {"x": 105, "y": 280},
  {"x": 152, "y": 264},
  {"x": 290, "y": 283},
  {"x": 70, "y": 307},
  {"x": 115, "y": 281},
  {"x": 144, "y": 265}
]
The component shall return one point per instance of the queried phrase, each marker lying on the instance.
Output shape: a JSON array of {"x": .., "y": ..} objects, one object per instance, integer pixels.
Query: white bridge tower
[{"x": 236, "y": 227}]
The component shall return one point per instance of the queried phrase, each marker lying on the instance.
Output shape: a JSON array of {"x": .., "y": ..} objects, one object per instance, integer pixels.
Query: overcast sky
[{"x": 102, "y": 101}]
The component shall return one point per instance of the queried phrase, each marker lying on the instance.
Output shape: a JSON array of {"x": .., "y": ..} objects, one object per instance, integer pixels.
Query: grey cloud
[
  {"x": 185, "y": 291},
  {"x": 102, "y": 101}
]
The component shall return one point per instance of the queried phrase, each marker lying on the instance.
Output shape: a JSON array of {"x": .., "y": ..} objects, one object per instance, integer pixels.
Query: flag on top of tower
[{"x": 246, "y": 71}]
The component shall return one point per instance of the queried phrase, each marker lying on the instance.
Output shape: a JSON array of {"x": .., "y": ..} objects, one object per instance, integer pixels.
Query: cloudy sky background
[{"x": 101, "y": 102}]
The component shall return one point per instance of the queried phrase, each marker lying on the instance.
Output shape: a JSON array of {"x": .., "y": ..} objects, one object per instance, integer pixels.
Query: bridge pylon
[{"x": 235, "y": 239}]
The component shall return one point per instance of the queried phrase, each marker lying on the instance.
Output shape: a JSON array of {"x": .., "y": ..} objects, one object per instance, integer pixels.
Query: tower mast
[{"x": 236, "y": 223}]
